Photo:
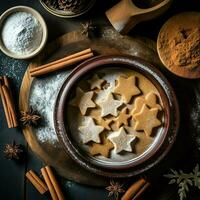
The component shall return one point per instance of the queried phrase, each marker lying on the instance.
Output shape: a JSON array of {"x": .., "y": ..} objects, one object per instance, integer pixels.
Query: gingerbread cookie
[
  {"x": 104, "y": 122},
  {"x": 150, "y": 100},
  {"x": 109, "y": 106},
  {"x": 126, "y": 88},
  {"x": 83, "y": 100},
  {"x": 95, "y": 82},
  {"x": 146, "y": 120},
  {"x": 90, "y": 132},
  {"x": 123, "y": 117},
  {"x": 121, "y": 140},
  {"x": 101, "y": 149}
]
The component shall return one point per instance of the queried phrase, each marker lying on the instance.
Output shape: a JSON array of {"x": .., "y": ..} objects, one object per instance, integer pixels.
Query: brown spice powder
[{"x": 179, "y": 44}]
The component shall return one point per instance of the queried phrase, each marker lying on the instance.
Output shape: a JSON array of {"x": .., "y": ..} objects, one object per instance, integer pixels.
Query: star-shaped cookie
[
  {"x": 150, "y": 100},
  {"x": 121, "y": 140},
  {"x": 95, "y": 82},
  {"x": 146, "y": 120},
  {"x": 90, "y": 132},
  {"x": 127, "y": 88},
  {"x": 83, "y": 100},
  {"x": 104, "y": 122},
  {"x": 101, "y": 149},
  {"x": 109, "y": 106},
  {"x": 122, "y": 119}
]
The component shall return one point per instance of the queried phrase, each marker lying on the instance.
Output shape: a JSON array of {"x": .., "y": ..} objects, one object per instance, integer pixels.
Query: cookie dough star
[
  {"x": 83, "y": 100},
  {"x": 101, "y": 149},
  {"x": 150, "y": 100},
  {"x": 127, "y": 88},
  {"x": 96, "y": 82},
  {"x": 146, "y": 120},
  {"x": 109, "y": 106},
  {"x": 122, "y": 119},
  {"x": 121, "y": 140},
  {"x": 90, "y": 132}
]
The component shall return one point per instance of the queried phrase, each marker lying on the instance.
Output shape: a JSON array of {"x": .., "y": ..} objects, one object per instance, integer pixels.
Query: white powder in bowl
[{"x": 21, "y": 33}]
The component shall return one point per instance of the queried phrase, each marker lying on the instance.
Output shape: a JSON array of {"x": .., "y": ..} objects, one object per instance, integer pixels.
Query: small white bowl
[{"x": 26, "y": 9}]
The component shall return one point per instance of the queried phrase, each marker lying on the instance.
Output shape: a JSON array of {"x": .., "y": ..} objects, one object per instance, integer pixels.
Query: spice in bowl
[
  {"x": 23, "y": 32},
  {"x": 179, "y": 44}
]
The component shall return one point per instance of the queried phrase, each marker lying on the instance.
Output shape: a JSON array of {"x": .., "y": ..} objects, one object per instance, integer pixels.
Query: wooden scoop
[{"x": 126, "y": 14}]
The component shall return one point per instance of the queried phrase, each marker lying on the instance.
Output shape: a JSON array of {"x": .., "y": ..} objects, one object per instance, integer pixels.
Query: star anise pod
[
  {"x": 13, "y": 151},
  {"x": 114, "y": 189},
  {"x": 30, "y": 117},
  {"x": 88, "y": 28}
]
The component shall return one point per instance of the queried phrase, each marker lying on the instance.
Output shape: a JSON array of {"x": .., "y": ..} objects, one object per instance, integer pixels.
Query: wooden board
[{"x": 109, "y": 42}]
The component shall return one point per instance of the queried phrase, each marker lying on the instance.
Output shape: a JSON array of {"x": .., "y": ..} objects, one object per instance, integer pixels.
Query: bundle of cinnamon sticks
[
  {"x": 50, "y": 184},
  {"x": 8, "y": 102},
  {"x": 61, "y": 63}
]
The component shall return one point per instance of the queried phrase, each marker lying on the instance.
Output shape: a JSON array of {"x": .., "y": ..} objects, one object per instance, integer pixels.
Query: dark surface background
[{"x": 13, "y": 185}]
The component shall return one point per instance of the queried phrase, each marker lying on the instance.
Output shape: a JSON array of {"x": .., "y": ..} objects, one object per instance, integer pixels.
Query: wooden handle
[{"x": 125, "y": 15}]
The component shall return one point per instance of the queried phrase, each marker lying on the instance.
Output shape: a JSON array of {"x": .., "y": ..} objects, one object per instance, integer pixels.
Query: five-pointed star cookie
[
  {"x": 104, "y": 122},
  {"x": 83, "y": 100},
  {"x": 95, "y": 82},
  {"x": 101, "y": 149},
  {"x": 121, "y": 140},
  {"x": 90, "y": 132},
  {"x": 150, "y": 100},
  {"x": 109, "y": 106},
  {"x": 127, "y": 88},
  {"x": 122, "y": 119},
  {"x": 146, "y": 120}
]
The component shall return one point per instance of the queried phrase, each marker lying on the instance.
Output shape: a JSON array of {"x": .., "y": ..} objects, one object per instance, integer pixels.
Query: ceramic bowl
[
  {"x": 67, "y": 14},
  {"x": 155, "y": 153},
  {"x": 26, "y": 9}
]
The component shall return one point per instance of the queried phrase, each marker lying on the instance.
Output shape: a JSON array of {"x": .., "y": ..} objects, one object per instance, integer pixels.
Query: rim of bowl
[
  {"x": 42, "y": 22},
  {"x": 168, "y": 98},
  {"x": 62, "y": 15}
]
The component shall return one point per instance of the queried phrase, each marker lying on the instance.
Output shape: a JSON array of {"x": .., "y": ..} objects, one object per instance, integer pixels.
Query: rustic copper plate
[{"x": 158, "y": 150}]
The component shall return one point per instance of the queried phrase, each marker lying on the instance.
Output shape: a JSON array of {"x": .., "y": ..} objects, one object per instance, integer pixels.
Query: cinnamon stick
[
  {"x": 8, "y": 102},
  {"x": 37, "y": 182},
  {"x": 52, "y": 183},
  {"x": 55, "y": 183},
  {"x": 136, "y": 190},
  {"x": 61, "y": 63}
]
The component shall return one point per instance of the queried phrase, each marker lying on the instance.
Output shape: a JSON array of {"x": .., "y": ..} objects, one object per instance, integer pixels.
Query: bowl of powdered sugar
[{"x": 23, "y": 32}]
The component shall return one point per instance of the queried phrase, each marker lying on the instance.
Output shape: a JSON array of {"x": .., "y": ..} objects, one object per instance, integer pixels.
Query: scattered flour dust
[{"x": 42, "y": 98}]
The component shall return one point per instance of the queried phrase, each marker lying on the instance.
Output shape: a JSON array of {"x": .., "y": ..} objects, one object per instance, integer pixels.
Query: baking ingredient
[
  {"x": 115, "y": 188},
  {"x": 179, "y": 44},
  {"x": 8, "y": 102},
  {"x": 30, "y": 117},
  {"x": 13, "y": 151},
  {"x": 21, "y": 33}
]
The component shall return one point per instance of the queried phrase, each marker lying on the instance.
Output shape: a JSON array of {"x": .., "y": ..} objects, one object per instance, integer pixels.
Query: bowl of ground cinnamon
[{"x": 178, "y": 45}]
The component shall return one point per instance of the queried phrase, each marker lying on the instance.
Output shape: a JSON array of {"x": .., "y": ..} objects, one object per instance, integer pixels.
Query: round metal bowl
[
  {"x": 155, "y": 153},
  {"x": 67, "y": 14}
]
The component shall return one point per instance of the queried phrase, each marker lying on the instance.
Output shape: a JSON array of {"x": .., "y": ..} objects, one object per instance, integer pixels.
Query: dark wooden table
[{"x": 13, "y": 185}]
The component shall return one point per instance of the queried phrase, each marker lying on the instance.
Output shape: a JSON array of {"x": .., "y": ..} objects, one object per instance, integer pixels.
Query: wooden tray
[{"x": 109, "y": 42}]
